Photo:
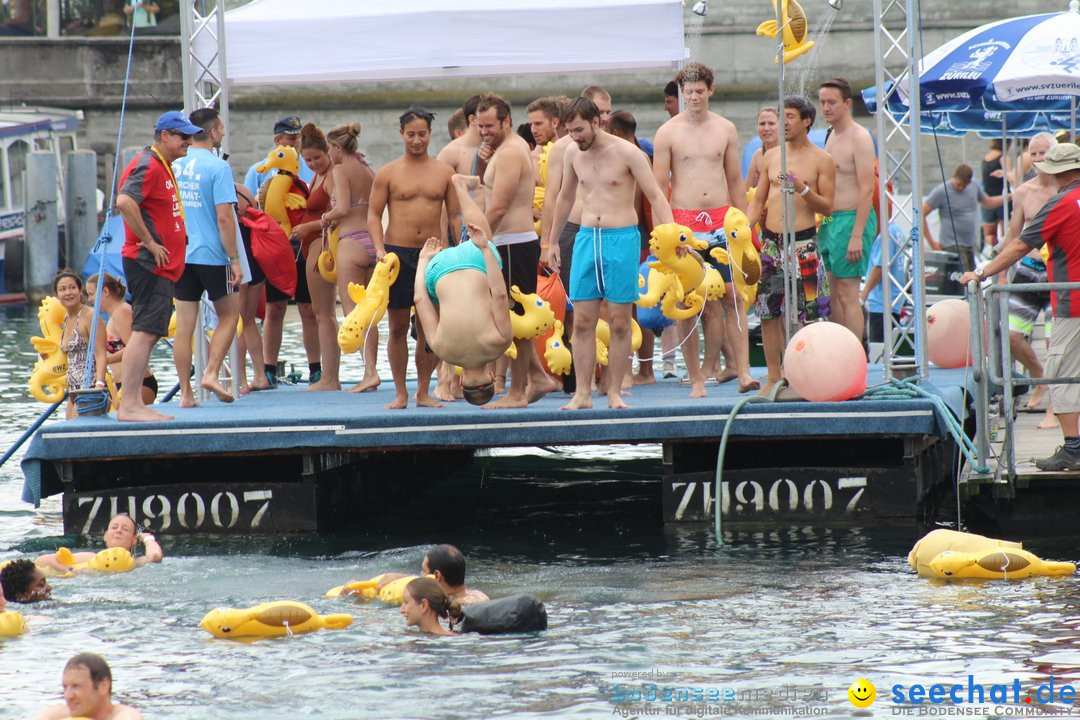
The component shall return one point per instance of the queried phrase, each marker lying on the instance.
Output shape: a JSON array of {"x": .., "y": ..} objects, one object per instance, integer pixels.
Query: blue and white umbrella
[{"x": 1018, "y": 60}]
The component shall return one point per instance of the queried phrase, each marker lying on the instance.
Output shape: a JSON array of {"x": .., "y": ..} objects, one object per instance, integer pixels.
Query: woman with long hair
[
  {"x": 425, "y": 604},
  {"x": 118, "y": 331},
  {"x": 77, "y": 335},
  {"x": 353, "y": 178}
]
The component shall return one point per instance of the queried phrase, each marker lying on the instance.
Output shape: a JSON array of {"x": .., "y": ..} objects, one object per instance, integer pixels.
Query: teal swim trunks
[
  {"x": 833, "y": 237},
  {"x": 606, "y": 264},
  {"x": 465, "y": 256}
]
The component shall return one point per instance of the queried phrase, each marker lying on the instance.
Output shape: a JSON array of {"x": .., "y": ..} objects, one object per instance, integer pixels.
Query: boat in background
[{"x": 25, "y": 129}]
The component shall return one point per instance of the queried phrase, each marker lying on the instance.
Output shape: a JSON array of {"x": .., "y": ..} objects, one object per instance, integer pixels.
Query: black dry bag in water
[{"x": 514, "y": 614}]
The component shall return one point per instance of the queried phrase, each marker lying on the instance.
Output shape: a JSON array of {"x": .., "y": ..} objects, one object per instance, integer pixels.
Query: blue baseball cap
[{"x": 176, "y": 121}]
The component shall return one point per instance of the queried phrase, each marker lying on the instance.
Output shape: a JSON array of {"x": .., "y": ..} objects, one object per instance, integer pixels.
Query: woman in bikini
[
  {"x": 118, "y": 331},
  {"x": 353, "y": 178},
  {"x": 75, "y": 339},
  {"x": 316, "y": 153}
]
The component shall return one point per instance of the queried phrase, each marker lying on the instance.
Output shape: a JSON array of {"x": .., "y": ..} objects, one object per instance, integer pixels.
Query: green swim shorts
[{"x": 833, "y": 237}]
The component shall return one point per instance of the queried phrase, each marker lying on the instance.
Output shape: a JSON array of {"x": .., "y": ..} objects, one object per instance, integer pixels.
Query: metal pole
[
  {"x": 914, "y": 38},
  {"x": 787, "y": 199},
  {"x": 80, "y": 224},
  {"x": 975, "y": 339},
  {"x": 883, "y": 200}
]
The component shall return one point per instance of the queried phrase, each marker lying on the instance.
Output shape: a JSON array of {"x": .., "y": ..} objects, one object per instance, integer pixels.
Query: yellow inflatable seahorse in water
[
  {"x": 392, "y": 593},
  {"x": 283, "y": 617},
  {"x": 371, "y": 302},
  {"x": 114, "y": 560},
  {"x": 49, "y": 379},
  {"x": 794, "y": 32},
  {"x": 997, "y": 564}
]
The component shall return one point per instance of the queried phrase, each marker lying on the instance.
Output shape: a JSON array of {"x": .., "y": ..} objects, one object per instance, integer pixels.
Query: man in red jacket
[{"x": 155, "y": 241}]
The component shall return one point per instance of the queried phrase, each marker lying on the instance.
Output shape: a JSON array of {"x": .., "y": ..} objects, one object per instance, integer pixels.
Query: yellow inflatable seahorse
[
  {"x": 741, "y": 255},
  {"x": 392, "y": 593},
  {"x": 603, "y": 339},
  {"x": 997, "y": 564},
  {"x": 556, "y": 354},
  {"x": 12, "y": 623},
  {"x": 278, "y": 198},
  {"x": 661, "y": 289},
  {"x": 113, "y": 560},
  {"x": 536, "y": 317},
  {"x": 540, "y": 191},
  {"x": 664, "y": 243},
  {"x": 371, "y": 302},
  {"x": 270, "y": 619},
  {"x": 327, "y": 260},
  {"x": 795, "y": 30},
  {"x": 49, "y": 379}
]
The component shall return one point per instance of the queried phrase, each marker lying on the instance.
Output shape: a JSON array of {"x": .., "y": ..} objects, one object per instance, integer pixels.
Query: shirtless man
[
  {"x": 508, "y": 193},
  {"x": 558, "y": 255},
  {"x": 470, "y": 325},
  {"x": 697, "y": 151},
  {"x": 544, "y": 123},
  {"x": 417, "y": 189},
  {"x": 461, "y": 152},
  {"x": 1024, "y": 307},
  {"x": 606, "y": 171},
  {"x": 847, "y": 235},
  {"x": 87, "y": 683},
  {"x": 811, "y": 176},
  {"x": 447, "y": 565}
]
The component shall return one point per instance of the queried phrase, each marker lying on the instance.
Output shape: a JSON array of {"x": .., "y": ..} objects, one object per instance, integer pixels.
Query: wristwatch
[
  {"x": 979, "y": 273},
  {"x": 805, "y": 189}
]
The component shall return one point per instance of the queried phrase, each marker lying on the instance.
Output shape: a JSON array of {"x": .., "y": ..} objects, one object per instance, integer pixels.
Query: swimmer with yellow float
[{"x": 121, "y": 537}]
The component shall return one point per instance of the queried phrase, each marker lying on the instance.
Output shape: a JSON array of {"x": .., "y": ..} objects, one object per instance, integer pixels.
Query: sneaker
[
  {"x": 1063, "y": 459},
  {"x": 669, "y": 369},
  {"x": 315, "y": 377},
  {"x": 271, "y": 378}
]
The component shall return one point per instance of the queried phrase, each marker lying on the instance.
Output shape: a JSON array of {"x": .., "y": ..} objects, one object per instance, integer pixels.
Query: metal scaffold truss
[
  {"x": 897, "y": 50},
  {"x": 202, "y": 37}
]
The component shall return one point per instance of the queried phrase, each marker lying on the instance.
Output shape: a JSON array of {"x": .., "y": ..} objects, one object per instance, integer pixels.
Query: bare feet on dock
[
  {"x": 1049, "y": 422},
  {"x": 257, "y": 383},
  {"x": 187, "y": 401},
  {"x": 368, "y": 384},
  {"x": 444, "y": 393},
  {"x": 726, "y": 376},
  {"x": 747, "y": 383},
  {"x": 213, "y": 385},
  {"x": 141, "y": 414},
  {"x": 324, "y": 383},
  {"x": 500, "y": 384},
  {"x": 644, "y": 379},
  {"x": 539, "y": 386},
  {"x": 697, "y": 388},
  {"x": 1037, "y": 397},
  {"x": 426, "y": 400},
  {"x": 512, "y": 400},
  {"x": 400, "y": 402},
  {"x": 767, "y": 387},
  {"x": 615, "y": 402},
  {"x": 579, "y": 402}
]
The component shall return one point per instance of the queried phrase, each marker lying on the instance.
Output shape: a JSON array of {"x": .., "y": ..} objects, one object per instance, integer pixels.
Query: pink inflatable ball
[
  {"x": 825, "y": 362},
  {"x": 948, "y": 333}
]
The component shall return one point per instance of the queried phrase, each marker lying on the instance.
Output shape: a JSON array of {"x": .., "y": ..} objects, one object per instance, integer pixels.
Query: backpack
[{"x": 272, "y": 250}]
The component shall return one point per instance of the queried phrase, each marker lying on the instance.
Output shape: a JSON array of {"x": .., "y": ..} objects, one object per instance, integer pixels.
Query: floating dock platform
[{"x": 284, "y": 459}]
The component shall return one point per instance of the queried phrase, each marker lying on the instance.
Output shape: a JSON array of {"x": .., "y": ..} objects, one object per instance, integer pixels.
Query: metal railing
[{"x": 993, "y": 365}]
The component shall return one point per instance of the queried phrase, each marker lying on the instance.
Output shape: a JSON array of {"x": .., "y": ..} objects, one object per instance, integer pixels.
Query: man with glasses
[{"x": 155, "y": 241}]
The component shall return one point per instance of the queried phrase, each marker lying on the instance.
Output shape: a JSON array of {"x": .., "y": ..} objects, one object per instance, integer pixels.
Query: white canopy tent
[{"x": 282, "y": 41}]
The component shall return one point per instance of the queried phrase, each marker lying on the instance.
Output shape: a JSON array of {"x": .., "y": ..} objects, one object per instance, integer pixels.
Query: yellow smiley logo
[{"x": 862, "y": 693}]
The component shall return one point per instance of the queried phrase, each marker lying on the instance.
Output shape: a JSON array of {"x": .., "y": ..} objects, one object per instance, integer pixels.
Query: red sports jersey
[
  {"x": 1058, "y": 226},
  {"x": 150, "y": 183}
]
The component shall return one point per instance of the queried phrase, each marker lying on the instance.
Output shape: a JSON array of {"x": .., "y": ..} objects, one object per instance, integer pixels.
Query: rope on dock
[{"x": 907, "y": 389}]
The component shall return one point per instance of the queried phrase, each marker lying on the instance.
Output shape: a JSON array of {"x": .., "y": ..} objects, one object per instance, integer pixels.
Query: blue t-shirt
[
  {"x": 875, "y": 301},
  {"x": 205, "y": 182},
  {"x": 646, "y": 145},
  {"x": 254, "y": 179}
]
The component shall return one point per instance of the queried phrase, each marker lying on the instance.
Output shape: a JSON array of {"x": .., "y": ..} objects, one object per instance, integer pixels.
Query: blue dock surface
[{"x": 287, "y": 420}]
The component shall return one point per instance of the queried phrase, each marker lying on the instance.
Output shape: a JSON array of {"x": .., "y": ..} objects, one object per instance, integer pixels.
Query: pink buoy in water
[
  {"x": 825, "y": 362},
  {"x": 948, "y": 333}
]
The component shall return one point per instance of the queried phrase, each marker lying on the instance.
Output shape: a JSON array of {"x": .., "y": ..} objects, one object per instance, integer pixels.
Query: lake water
[{"x": 784, "y": 618}]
